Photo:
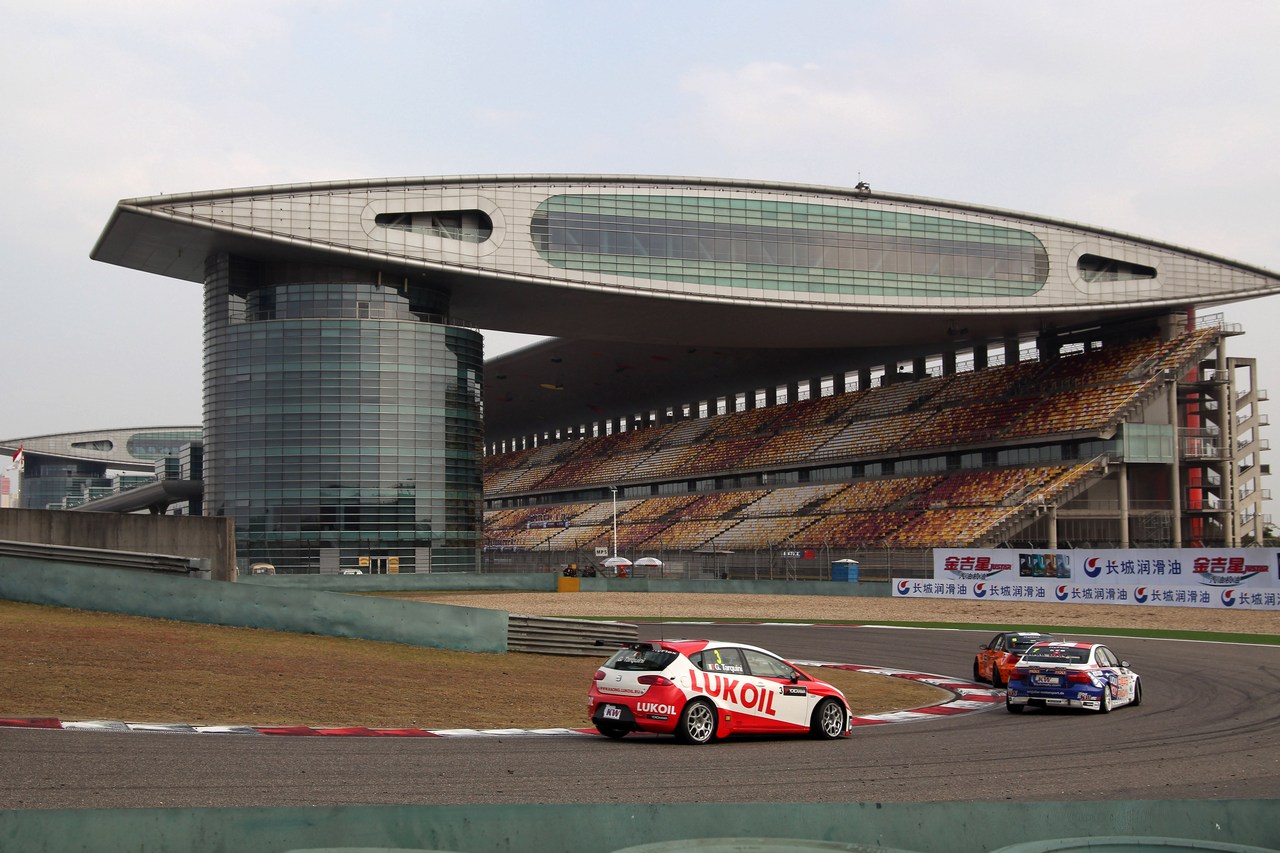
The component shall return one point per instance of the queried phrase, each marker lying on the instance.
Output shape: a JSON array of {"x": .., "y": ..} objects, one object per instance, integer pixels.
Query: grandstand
[{"x": 1121, "y": 437}]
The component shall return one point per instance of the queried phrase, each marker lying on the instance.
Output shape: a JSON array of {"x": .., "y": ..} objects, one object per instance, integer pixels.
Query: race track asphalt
[{"x": 1208, "y": 728}]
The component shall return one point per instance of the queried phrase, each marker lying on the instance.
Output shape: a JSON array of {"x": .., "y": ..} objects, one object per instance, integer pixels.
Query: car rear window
[
  {"x": 641, "y": 660},
  {"x": 1056, "y": 655}
]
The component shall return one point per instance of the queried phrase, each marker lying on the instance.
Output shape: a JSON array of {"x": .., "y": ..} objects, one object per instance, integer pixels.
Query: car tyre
[
  {"x": 996, "y": 680},
  {"x": 828, "y": 720},
  {"x": 697, "y": 723},
  {"x": 614, "y": 732},
  {"x": 1137, "y": 693},
  {"x": 1012, "y": 708},
  {"x": 1104, "y": 704},
  {"x": 977, "y": 676}
]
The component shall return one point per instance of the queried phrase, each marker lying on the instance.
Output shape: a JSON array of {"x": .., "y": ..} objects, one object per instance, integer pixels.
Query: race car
[
  {"x": 1072, "y": 675},
  {"x": 703, "y": 690},
  {"x": 996, "y": 658}
]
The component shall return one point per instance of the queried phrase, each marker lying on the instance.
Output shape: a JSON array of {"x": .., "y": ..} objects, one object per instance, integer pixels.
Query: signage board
[{"x": 1243, "y": 578}]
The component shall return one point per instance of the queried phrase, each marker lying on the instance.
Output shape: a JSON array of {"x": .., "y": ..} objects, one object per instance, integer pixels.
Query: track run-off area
[{"x": 1208, "y": 728}]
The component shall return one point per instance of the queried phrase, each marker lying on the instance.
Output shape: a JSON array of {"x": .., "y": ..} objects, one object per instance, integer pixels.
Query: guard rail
[
  {"x": 547, "y": 635},
  {"x": 167, "y": 563}
]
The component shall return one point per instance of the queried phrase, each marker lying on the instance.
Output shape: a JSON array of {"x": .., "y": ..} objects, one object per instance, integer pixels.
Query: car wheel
[
  {"x": 615, "y": 732},
  {"x": 828, "y": 720},
  {"x": 977, "y": 676},
  {"x": 697, "y": 723},
  {"x": 996, "y": 680},
  {"x": 1012, "y": 708},
  {"x": 1104, "y": 704},
  {"x": 1137, "y": 693}
]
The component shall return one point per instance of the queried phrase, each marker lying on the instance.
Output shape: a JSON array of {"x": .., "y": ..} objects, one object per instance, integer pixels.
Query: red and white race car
[{"x": 700, "y": 690}]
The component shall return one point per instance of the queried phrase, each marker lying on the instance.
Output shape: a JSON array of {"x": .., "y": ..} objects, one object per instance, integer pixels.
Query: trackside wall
[
  {"x": 408, "y": 582},
  {"x": 921, "y": 827},
  {"x": 201, "y": 537},
  {"x": 303, "y": 611},
  {"x": 548, "y": 582}
]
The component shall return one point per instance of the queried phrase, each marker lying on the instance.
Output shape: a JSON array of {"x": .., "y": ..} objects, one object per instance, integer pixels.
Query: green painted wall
[
  {"x": 408, "y": 582},
  {"x": 739, "y": 587},
  {"x": 921, "y": 827},
  {"x": 546, "y": 582},
  {"x": 306, "y": 611}
]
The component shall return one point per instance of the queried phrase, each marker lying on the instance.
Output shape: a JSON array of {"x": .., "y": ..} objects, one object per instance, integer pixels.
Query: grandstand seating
[{"x": 1079, "y": 395}]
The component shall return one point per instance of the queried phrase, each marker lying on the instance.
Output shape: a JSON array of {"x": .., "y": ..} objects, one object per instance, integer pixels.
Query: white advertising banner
[{"x": 1247, "y": 578}]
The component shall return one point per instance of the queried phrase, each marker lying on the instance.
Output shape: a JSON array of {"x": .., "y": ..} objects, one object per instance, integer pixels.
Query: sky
[{"x": 1161, "y": 119}]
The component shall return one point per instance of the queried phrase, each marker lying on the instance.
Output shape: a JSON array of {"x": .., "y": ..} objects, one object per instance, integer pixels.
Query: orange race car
[{"x": 996, "y": 659}]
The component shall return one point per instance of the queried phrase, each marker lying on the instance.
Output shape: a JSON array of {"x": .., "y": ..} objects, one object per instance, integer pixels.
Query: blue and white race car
[{"x": 1072, "y": 675}]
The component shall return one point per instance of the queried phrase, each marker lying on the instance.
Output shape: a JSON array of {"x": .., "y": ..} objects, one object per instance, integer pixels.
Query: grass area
[{"x": 84, "y": 665}]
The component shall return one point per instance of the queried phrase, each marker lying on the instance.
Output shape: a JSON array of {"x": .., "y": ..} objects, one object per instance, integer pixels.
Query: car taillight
[
  {"x": 599, "y": 676},
  {"x": 655, "y": 680},
  {"x": 1019, "y": 673},
  {"x": 1077, "y": 676}
]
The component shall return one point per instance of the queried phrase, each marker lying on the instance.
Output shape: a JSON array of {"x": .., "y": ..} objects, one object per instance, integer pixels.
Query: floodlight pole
[{"x": 614, "y": 491}]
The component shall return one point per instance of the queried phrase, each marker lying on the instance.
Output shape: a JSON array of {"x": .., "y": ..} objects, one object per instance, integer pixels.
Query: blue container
[{"x": 845, "y": 570}]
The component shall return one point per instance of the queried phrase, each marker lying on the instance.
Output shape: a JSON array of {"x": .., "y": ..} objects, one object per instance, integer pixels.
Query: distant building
[{"x": 65, "y": 470}]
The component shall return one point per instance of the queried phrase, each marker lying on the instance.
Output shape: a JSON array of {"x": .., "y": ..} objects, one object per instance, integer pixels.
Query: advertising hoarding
[{"x": 1245, "y": 578}]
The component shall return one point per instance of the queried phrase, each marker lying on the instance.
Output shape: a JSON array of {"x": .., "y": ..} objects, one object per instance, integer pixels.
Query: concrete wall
[
  {"x": 183, "y": 536},
  {"x": 549, "y": 582},
  {"x": 303, "y": 611},
  {"x": 410, "y": 582},
  {"x": 923, "y": 827},
  {"x": 737, "y": 587}
]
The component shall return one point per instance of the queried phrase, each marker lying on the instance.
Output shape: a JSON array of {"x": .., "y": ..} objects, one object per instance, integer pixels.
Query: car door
[
  {"x": 1120, "y": 678},
  {"x": 785, "y": 702},
  {"x": 989, "y": 655}
]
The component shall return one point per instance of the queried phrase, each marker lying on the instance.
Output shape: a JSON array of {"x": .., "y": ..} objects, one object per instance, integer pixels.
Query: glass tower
[{"x": 342, "y": 424}]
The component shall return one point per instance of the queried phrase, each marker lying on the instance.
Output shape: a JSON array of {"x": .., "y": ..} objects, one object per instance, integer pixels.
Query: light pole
[{"x": 614, "y": 491}]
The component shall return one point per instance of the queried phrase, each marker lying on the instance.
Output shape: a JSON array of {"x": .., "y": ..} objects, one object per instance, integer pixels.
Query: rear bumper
[
  {"x": 657, "y": 711},
  {"x": 1074, "y": 698}
]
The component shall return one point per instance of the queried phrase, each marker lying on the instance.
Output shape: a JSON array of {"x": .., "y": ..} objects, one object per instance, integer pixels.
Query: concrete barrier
[
  {"x": 548, "y": 582},
  {"x": 959, "y": 827},
  {"x": 409, "y": 582},
  {"x": 306, "y": 611},
  {"x": 738, "y": 587},
  {"x": 211, "y": 539}
]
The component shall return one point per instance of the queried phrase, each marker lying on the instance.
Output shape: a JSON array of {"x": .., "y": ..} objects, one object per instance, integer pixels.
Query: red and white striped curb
[{"x": 967, "y": 697}]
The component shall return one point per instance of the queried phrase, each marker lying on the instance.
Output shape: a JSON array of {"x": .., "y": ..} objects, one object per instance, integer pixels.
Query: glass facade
[
  {"x": 52, "y": 486},
  {"x": 158, "y": 444},
  {"x": 342, "y": 429},
  {"x": 790, "y": 246}
]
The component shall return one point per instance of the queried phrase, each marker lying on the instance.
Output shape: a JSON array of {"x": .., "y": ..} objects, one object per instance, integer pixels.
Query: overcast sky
[{"x": 1157, "y": 118}]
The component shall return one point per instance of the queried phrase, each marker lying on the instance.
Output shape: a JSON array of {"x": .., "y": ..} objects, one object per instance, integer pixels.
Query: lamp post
[{"x": 614, "y": 491}]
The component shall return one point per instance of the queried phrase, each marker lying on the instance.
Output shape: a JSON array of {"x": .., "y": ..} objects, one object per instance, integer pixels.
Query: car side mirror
[{"x": 1125, "y": 664}]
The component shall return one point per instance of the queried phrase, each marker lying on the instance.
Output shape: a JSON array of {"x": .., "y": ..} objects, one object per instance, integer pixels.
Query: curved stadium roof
[
  {"x": 128, "y": 449},
  {"x": 690, "y": 261},
  {"x": 655, "y": 282}
]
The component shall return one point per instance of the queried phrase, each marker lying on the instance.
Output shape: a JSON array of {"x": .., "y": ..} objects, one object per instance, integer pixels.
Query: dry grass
[{"x": 81, "y": 665}]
